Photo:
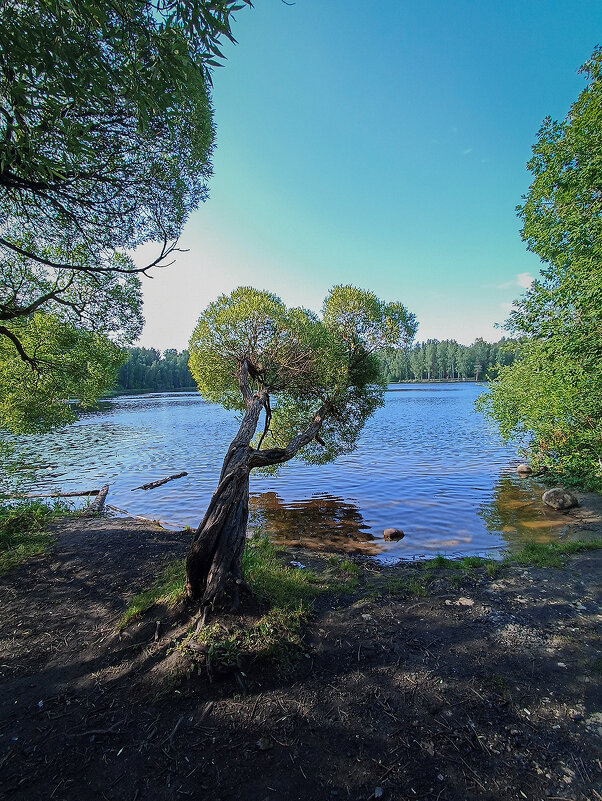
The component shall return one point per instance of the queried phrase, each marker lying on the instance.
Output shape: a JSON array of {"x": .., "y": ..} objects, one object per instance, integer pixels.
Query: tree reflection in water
[
  {"x": 323, "y": 522},
  {"x": 517, "y": 512}
]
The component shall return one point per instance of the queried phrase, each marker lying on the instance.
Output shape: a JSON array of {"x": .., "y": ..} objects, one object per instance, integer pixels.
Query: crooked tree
[{"x": 314, "y": 381}]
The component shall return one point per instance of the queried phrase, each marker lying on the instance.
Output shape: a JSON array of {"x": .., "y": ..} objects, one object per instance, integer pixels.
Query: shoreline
[{"x": 436, "y": 683}]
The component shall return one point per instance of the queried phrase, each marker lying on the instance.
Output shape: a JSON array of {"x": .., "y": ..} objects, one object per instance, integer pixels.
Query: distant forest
[
  {"x": 147, "y": 370},
  {"x": 434, "y": 360}
]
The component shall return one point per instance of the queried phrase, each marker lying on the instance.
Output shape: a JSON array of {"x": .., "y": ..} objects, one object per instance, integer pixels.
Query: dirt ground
[{"x": 486, "y": 688}]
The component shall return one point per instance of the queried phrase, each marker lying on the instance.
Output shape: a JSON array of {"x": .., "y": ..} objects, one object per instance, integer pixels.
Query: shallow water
[{"x": 426, "y": 463}]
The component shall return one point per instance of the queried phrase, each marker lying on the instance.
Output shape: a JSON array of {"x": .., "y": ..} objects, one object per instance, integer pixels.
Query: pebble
[{"x": 264, "y": 744}]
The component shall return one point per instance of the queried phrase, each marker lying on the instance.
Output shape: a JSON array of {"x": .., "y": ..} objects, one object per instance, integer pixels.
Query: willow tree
[
  {"x": 106, "y": 137},
  {"x": 314, "y": 381}
]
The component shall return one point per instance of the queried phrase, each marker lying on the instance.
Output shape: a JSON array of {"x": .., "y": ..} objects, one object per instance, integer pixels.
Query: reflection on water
[
  {"x": 517, "y": 512},
  {"x": 323, "y": 523},
  {"x": 426, "y": 463}
]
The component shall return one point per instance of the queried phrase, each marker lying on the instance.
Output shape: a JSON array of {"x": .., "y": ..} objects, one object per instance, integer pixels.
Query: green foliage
[
  {"x": 105, "y": 142},
  {"x": 552, "y": 394},
  {"x": 69, "y": 363},
  {"x": 22, "y": 531},
  {"x": 303, "y": 363}
]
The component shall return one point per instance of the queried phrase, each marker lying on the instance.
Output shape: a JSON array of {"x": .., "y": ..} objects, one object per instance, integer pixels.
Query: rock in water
[
  {"x": 524, "y": 470},
  {"x": 393, "y": 534},
  {"x": 560, "y": 499}
]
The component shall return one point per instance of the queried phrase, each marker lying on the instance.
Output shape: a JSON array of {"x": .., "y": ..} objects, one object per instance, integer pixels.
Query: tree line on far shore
[
  {"x": 149, "y": 370},
  {"x": 446, "y": 361}
]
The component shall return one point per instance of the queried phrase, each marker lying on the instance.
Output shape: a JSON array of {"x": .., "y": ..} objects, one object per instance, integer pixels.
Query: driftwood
[
  {"x": 98, "y": 503},
  {"x": 153, "y": 484},
  {"x": 61, "y": 494}
]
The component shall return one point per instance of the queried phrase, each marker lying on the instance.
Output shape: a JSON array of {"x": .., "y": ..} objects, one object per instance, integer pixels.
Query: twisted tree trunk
[{"x": 214, "y": 560}]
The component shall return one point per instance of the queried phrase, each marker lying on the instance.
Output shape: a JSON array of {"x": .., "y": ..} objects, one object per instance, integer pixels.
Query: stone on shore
[{"x": 560, "y": 499}]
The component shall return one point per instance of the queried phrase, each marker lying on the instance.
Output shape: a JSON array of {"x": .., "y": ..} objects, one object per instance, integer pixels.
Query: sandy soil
[{"x": 486, "y": 688}]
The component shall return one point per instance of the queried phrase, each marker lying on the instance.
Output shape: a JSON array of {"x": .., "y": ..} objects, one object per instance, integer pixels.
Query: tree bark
[{"x": 214, "y": 560}]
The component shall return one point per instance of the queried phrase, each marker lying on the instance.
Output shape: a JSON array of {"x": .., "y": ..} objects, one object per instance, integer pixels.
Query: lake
[{"x": 426, "y": 463}]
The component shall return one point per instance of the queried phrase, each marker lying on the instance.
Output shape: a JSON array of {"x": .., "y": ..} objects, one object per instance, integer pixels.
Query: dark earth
[{"x": 486, "y": 688}]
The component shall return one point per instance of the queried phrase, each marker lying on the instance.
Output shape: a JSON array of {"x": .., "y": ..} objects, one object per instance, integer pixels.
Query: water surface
[{"x": 426, "y": 463}]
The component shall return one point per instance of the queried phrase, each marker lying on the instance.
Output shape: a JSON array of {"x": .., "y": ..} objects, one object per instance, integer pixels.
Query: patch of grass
[
  {"x": 441, "y": 561},
  {"x": 23, "y": 530},
  {"x": 493, "y": 568},
  {"x": 467, "y": 564},
  {"x": 550, "y": 554},
  {"x": 413, "y": 585},
  {"x": 168, "y": 588},
  {"x": 273, "y": 637},
  {"x": 472, "y": 562},
  {"x": 275, "y": 583}
]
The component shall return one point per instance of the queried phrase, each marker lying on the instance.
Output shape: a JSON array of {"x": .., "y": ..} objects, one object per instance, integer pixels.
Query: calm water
[{"x": 427, "y": 463}]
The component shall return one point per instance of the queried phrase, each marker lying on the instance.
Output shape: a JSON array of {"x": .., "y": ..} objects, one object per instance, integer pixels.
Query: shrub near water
[{"x": 22, "y": 531}]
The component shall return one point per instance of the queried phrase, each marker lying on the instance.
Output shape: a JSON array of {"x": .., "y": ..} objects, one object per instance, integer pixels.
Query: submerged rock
[
  {"x": 560, "y": 499},
  {"x": 393, "y": 534},
  {"x": 524, "y": 470}
]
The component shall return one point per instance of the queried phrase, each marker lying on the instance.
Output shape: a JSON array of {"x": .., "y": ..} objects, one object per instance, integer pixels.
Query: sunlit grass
[
  {"x": 272, "y": 581},
  {"x": 550, "y": 554},
  {"x": 168, "y": 588}
]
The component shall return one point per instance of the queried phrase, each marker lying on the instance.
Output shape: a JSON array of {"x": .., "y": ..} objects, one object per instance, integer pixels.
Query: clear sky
[{"x": 381, "y": 144}]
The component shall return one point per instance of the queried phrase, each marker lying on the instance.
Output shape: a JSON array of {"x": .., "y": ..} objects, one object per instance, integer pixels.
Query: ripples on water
[{"x": 426, "y": 463}]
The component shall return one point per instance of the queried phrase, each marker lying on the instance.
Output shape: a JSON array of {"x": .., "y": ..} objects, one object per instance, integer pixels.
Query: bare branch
[{"x": 280, "y": 455}]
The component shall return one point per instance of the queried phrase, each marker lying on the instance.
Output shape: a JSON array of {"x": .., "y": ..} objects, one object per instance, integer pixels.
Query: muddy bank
[{"x": 484, "y": 688}]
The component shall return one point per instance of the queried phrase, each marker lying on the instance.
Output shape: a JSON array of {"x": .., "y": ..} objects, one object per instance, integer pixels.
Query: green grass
[
  {"x": 550, "y": 554},
  {"x": 273, "y": 637},
  {"x": 23, "y": 530},
  {"x": 467, "y": 563},
  {"x": 168, "y": 588},
  {"x": 284, "y": 592},
  {"x": 396, "y": 585},
  {"x": 278, "y": 585}
]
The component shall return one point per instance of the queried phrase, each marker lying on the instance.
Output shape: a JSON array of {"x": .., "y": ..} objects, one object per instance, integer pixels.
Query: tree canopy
[
  {"x": 316, "y": 379},
  {"x": 552, "y": 394},
  {"x": 105, "y": 144},
  {"x": 311, "y": 366}
]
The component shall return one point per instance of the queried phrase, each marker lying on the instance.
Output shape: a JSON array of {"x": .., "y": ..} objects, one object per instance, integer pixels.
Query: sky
[{"x": 381, "y": 144}]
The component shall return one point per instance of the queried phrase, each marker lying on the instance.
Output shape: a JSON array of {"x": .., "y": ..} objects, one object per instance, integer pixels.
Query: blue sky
[{"x": 380, "y": 144}]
